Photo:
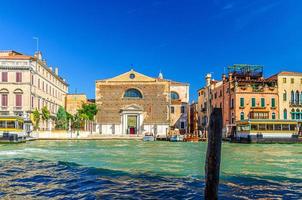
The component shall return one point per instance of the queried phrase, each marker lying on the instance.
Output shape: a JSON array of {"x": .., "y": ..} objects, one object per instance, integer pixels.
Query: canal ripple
[{"x": 139, "y": 170}]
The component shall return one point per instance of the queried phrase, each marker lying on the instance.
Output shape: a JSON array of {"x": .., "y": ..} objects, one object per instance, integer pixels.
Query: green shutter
[
  {"x": 273, "y": 103},
  {"x": 253, "y": 102},
  {"x": 241, "y": 116},
  {"x": 262, "y": 102},
  {"x": 241, "y": 102},
  {"x": 285, "y": 114}
]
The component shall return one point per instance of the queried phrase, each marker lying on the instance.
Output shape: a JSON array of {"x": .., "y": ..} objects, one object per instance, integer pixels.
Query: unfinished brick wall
[{"x": 110, "y": 101}]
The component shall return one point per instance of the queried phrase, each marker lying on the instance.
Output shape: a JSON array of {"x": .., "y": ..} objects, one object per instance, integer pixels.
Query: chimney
[
  {"x": 38, "y": 55},
  {"x": 208, "y": 79},
  {"x": 57, "y": 71},
  {"x": 230, "y": 76},
  {"x": 223, "y": 77},
  {"x": 50, "y": 68}
]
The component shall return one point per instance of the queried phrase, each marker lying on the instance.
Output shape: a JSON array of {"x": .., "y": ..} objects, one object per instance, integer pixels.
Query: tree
[
  {"x": 36, "y": 116},
  {"x": 90, "y": 110},
  {"x": 62, "y": 121},
  {"x": 45, "y": 114}
]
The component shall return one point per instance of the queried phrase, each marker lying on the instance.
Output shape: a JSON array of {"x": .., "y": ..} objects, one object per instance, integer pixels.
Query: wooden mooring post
[{"x": 212, "y": 164}]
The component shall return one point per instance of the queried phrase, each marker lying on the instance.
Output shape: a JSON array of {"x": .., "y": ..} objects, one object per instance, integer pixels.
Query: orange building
[
  {"x": 244, "y": 94},
  {"x": 73, "y": 102}
]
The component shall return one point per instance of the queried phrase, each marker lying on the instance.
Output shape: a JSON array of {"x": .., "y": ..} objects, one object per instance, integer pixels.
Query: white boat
[
  {"x": 149, "y": 137},
  {"x": 177, "y": 138}
]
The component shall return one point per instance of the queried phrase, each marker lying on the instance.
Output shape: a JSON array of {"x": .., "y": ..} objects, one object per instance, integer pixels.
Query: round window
[{"x": 132, "y": 76}]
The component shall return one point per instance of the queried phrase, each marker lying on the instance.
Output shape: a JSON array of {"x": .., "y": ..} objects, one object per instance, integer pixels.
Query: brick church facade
[{"x": 135, "y": 104}]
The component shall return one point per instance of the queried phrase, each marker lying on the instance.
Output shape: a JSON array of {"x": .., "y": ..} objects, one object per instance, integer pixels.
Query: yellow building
[
  {"x": 290, "y": 94},
  {"x": 133, "y": 103}
]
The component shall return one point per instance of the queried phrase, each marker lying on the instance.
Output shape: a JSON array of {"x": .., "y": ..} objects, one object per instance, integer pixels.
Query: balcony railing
[
  {"x": 295, "y": 104},
  {"x": 4, "y": 107},
  {"x": 18, "y": 108}
]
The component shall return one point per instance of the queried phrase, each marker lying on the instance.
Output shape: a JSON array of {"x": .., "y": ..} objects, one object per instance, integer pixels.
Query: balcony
[
  {"x": 17, "y": 108},
  {"x": 295, "y": 104},
  {"x": 4, "y": 108}
]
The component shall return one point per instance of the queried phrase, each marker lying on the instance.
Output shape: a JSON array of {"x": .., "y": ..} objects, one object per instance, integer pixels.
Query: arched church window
[
  {"x": 133, "y": 93},
  {"x": 174, "y": 96}
]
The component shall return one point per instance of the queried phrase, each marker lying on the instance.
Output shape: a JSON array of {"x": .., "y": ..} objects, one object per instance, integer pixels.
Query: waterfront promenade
[{"x": 81, "y": 135}]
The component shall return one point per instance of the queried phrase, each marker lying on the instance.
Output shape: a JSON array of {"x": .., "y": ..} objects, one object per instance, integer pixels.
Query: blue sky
[{"x": 185, "y": 39}]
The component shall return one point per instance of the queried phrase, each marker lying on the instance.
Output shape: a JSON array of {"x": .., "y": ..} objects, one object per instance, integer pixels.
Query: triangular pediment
[
  {"x": 131, "y": 76},
  {"x": 132, "y": 107}
]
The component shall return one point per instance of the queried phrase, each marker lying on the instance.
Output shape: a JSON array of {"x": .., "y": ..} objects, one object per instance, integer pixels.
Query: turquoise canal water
[{"x": 146, "y": 170}]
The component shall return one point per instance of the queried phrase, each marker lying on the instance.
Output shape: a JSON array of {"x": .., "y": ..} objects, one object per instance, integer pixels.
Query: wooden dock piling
[{"x": 212, "y": 164}]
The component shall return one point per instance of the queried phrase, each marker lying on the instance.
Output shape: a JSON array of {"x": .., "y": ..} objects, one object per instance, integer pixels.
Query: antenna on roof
[
  {"x": 132, "y": 66},
  {"x": 37, "y": 41}
]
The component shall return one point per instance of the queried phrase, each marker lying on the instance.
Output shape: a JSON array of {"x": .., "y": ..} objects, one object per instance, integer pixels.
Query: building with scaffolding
[{"x": 243, "y": 94}]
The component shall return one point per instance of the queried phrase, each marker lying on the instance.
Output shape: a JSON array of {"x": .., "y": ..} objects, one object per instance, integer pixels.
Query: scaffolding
[{"x": 246, "y": 70}]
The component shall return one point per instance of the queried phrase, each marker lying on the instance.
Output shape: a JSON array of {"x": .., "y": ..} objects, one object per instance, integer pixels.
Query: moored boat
[
  {"x": 191, "y": 138},
  {"x": 266, "y": 131},
  {"x": 148, "y": 137},
  {"x": 12, "y": 129},
  {"x": 177, "y": 138}
]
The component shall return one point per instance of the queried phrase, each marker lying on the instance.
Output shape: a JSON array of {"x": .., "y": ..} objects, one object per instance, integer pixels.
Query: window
[
  {"x": 270, "y": 127},
  {"x": 39, "y": 83},
  {"x": 262, "y": 127},
  {"x": 277, "y": 127},
  {"x": 39, "y": 103},
  {"x": 293, "y": 114},
  {"x": 297, "y": 98},
  {"x": 262, "y": 102},
  {"x": 18, "y": 100},
  {"x": 32, "y": 79},
  {"x": 133, "y": 93},
  {"x": 298, "y": 114},
  {"x": 232, "y": 103},
  {"x": 132, "y": 76},
  {"x": 284, "y": 114},
  {"x": 174, "y": 96},
  {"x": 273, "y": 102},
  {"x": 172, "y": 109},
  {"x": 18, "y": 77},
  {"x": 4, "y": 100},
  {"x": 242, "y": 116},
  {"x": 4, "y": 77},
  {"x": 292, "y": 80},
  {"x": 284, "y": 80},
  {"x": 182, "y": 125},
  {"x": 292, "y": 97},
  {"x": 254, "y": 127},
  {"x": 273, "y": 115},
  {"x": 284, "y": 96},
  {"x": 241, "y": 102},
  {"x": 301, "y": 81},
  {"x": 253, "y": 102},
  {"x": 182, "y": 109},
  {"x": 32, "y": 101}
]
